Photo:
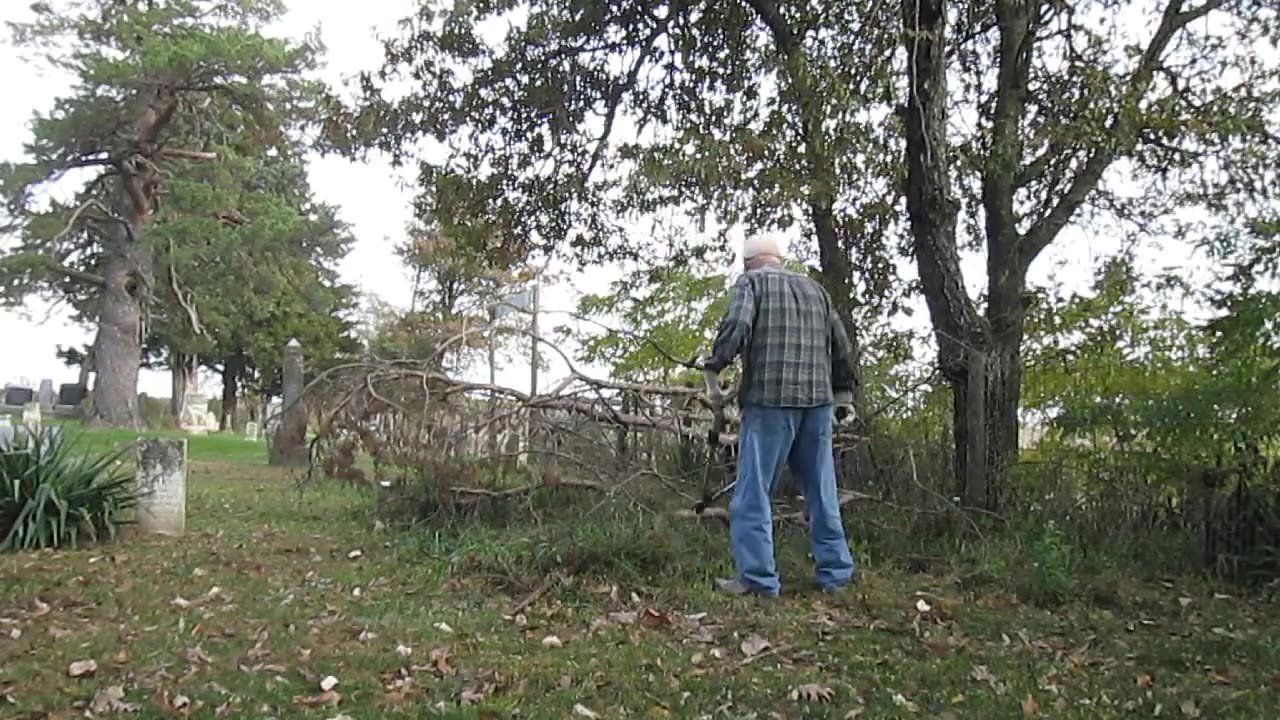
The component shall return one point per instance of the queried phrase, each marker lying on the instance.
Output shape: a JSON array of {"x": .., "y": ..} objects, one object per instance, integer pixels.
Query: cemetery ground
[{"x": 286, "y": 604}]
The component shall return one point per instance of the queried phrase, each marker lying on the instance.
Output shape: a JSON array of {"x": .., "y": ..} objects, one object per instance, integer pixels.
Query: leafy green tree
[
  {"x": 234, "y": 293},
  {"x": 161, "y": 86},
  {"x": 1024, "y": 116},
  {"x": 651, "y": 320},
  {"x": 755, "y": 114},
  {"x": 455, "y": 285}
]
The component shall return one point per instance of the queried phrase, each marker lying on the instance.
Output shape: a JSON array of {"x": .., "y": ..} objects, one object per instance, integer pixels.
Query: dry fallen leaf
[
  {"x": 404, "y": 650},
  {"x": 329, "y": 699},
  {"x": 1218, "y": 678},
  {"x": 470, "y": 697},
  {"x": 443, "y": 627},
  {"x": 1030, "y": 708},
  {"x": 328, "y": 683},
  {"x": 901, "y": 701},
  {"x": 354, "y": 554},
  {"x": 624, "y": 618},
  {"x": 440, "y": 660},
  {"x": 584, "y": 711},
  {"x": 813, "y": 692},
  {"x": 754, "y": 645},
  {"x": 855, "y": 713},
  {"x": 552, "y": 641},
  {"x": 82, "y": 668},
  {"x": 14, "y": 634},
  {"x": 1188, "y": 708},
  {"x": 42, "y": 608},
  {"x": 652, "y": 618},
  {"x": 110, "y": 699},
  {"x": 196, "y": 656},
  {"x": 1144, "y": 680}
]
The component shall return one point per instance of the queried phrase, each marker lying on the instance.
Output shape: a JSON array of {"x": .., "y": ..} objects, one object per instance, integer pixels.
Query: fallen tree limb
[{"x": 716, "y": 513}]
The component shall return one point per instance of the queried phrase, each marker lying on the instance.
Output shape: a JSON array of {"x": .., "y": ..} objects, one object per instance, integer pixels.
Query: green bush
[{"x": 52, "y": 496}]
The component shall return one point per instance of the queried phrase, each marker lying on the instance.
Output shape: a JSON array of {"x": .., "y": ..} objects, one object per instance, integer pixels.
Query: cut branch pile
[{"x": 419, "y": 425}]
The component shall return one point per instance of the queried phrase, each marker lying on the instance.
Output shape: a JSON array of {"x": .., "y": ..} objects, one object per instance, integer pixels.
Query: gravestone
[
  {"x": 5, "y": 421},
  {"x": 162, "y": 486},
  {"x": 289, "y": 444},
  {"x": 45, "y": 396},
  {"x": 71, "y": 394},
  {"x": 31, "y": 415},
  {"x": 196, "y": 418},
  {"x": 18, "y": 396},
  {"x": 251, "y": 431}
]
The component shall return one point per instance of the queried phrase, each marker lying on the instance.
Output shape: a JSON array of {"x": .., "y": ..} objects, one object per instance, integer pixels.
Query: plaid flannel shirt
[{"x": 795, "y": 350}]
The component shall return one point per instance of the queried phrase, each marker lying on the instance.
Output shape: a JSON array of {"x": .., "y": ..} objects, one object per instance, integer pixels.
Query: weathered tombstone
[
  {"x": 45, "y": 395},
  {"x": 70, "y": 394},
  {"x": 5, "y": 421},
  {"x": 251, "y": 431},
  {"x": 162, "y": 485},
  {"x": 289, "y": 444},
  {"x": 18, "y": 396},
  {"x": 31, "y": 415},
  {"x": 196, "y": 418}
]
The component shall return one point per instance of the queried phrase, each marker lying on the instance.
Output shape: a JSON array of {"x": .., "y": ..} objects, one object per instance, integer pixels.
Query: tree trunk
[
  {"x": 117, "y": 351},
  {"x": 182, "y": 372},
  {"x": 985, "y": 416},
  {"x": 86, "y": 367},
  {"x": 232, "y": 371}
]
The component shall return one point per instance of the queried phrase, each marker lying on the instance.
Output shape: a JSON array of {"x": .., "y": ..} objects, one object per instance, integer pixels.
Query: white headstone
[
  {"x": 45, "y": 395},
  {"x": 196, "y": 418},
  {"x": 5, "y": 421},
  {"x": 162, "y": 485},
  {"x": 251, "y": 431},
  {"x": 31, "y": 415}
]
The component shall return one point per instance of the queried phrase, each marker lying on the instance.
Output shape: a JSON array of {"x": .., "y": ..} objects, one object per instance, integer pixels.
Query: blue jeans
[{"x": 802, "y": 438}]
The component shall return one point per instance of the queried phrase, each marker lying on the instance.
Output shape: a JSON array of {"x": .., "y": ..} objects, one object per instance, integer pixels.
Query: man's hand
[{"x": 844, "y": 406}]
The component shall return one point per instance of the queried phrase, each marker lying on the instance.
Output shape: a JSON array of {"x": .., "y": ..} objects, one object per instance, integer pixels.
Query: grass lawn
[{"x": 272, "y": 592}]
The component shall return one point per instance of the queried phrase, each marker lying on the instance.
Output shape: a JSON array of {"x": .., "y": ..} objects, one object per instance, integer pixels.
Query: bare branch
[
  {"x": 184, "y": 154},
  {"x": 1122, "y": 131}
]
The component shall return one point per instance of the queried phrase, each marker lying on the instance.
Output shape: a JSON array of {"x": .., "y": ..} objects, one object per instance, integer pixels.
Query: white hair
[{"x": 757, "y": 245}]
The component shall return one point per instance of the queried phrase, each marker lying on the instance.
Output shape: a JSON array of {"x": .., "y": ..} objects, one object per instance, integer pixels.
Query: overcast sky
[{"x": 371, "y": 196}]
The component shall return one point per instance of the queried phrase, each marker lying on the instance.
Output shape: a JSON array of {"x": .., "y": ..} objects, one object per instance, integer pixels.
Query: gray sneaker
[{"x": 737, "y": 587}]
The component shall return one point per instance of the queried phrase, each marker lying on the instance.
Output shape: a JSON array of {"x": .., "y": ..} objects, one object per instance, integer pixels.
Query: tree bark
[
  {"x": 232, "y": 371},
  {"x": 182, "y": 371},
  {"x": 117, "y": 350}
]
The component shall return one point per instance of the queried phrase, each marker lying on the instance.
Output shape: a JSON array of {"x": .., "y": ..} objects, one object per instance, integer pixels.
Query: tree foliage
[{"x": 160, "y": 87}]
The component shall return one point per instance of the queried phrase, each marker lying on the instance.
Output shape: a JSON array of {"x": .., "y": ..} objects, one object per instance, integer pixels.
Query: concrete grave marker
[
  {"x": 17, "y": 396},
  {"x": 45, "y": 395},
  {"x": 251, "y": 431},
  {"x": 162, "y": 486},
  {"x": 289, "y": 443}
]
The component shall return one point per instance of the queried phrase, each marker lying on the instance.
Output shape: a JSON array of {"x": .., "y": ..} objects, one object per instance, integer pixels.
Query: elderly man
[{"x": 796, "y": 369}]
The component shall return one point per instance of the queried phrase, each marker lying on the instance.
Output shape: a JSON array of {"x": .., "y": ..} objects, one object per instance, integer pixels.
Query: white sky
[{"x": 372, "y": 198}]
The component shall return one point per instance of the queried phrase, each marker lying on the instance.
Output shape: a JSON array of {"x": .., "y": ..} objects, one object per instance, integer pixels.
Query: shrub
[{"x": 52, "y": 496}]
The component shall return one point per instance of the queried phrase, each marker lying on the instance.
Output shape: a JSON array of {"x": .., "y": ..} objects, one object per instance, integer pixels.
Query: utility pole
[
  {"x": 533, "y": 343},
  {"x": 493, "y": 382}
]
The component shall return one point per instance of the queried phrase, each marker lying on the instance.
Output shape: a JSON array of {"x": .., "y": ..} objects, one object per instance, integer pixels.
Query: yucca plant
[{"x": 52, "y": 495}]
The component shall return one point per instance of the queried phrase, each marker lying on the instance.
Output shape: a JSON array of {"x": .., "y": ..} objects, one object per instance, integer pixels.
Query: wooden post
[{"x": 975, "y": 483}]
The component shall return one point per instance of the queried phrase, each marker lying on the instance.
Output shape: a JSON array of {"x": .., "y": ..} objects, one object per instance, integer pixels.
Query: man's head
[{"x": 760, "y": 250}]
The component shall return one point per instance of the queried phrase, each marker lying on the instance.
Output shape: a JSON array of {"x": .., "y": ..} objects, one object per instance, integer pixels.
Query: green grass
[
  {"x": 287, "y": 614},
  {"x": 214, "y": 447}
]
